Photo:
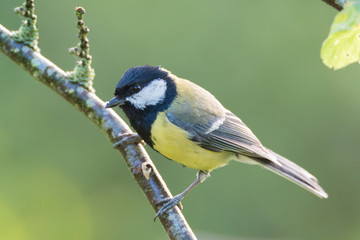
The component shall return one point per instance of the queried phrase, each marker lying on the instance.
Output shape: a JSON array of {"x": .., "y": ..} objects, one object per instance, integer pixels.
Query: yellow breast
[{"x": 173, "y": 142}]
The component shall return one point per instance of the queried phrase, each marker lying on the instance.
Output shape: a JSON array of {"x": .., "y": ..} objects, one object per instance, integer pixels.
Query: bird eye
[{"x": 135, "y": 88}]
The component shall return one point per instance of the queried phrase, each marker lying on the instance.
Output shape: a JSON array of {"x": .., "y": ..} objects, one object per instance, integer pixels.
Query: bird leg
[
  {"x": 169, "y": 203},
  {"x": 128, "y": 138}
]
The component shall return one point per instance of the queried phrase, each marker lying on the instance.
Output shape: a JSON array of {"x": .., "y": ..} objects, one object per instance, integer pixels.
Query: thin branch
[
  {"x": 337, "y": 4},
  {"x": 27, "y": 55}
]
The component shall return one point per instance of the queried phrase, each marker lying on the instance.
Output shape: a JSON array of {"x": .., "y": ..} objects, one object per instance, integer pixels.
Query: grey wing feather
[
  {"x": 233, "y": 135},
  {"x": 234, "y": 129},
  {"x": 230, "y": 134}
]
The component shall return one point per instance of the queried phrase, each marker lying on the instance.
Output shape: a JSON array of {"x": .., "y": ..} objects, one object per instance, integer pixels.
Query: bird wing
[
  {"x": 227, "y": 133},
  {"x": 211, "y": 125}
]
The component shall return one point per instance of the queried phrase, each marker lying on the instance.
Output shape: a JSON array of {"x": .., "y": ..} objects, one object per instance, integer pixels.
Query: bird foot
[
  {"x": 128, "y": 138},
  {"x": 169, "y": 203}
]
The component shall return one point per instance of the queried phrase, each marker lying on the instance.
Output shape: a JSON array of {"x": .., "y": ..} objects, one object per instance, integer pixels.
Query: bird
[{"x": 187, "y": 124}]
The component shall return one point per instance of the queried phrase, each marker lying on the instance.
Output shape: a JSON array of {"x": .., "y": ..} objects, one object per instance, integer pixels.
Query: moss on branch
[
  {"x": 83, "y": 73},
  {"x": 28, "y": 31}
]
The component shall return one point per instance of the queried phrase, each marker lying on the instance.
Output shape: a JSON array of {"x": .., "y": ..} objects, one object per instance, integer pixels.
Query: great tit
[{"x": 187, "y": 124}]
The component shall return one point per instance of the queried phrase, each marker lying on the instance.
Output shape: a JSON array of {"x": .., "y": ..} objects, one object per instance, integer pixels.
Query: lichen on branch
[
  {"x": 28, "y": 31},
  {"x": 83, "y": 73}
]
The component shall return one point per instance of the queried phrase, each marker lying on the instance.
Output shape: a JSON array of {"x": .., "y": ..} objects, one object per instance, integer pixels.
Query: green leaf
[{"x": 342, "y": 46}]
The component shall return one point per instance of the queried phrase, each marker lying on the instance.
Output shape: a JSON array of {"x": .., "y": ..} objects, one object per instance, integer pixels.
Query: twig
[
  {"x": 337, "y": 4},
  {"x": 23, "y": 50},
  {"x": 27, "y": 32},
  {"x": 83, "y": 73}
]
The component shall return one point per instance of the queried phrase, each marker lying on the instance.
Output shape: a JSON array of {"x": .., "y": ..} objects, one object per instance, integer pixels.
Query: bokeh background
[{"x": 61, "y": 179}]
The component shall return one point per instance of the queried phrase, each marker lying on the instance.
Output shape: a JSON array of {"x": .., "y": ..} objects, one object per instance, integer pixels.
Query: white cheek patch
[{"x": 150, "y": 95}]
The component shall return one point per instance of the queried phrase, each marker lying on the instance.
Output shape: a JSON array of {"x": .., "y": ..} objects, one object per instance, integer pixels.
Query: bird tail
[{"x": 294, "y": 173}]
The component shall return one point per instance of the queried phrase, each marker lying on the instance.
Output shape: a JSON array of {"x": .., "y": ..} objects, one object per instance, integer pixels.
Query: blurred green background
[{"x": 61, "y": 179}]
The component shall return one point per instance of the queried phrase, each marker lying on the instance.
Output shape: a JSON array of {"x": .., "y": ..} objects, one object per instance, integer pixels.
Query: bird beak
[{"x": 114, "y": 102}]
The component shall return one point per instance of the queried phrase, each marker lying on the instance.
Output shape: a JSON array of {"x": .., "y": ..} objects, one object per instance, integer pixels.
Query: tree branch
[
  {"x": 337, "y": 4},
  {"x": 27, "y": 55}
]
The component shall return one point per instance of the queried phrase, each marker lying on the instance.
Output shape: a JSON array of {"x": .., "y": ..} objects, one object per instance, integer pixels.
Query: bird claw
[
  {"x": 169, "y": 203},
  {"x": 128, "y": 138}
]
